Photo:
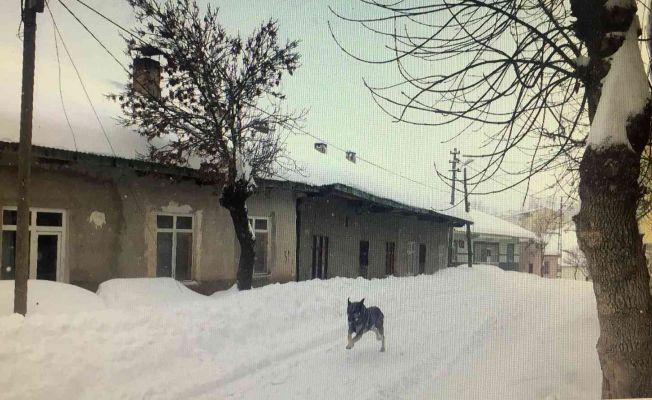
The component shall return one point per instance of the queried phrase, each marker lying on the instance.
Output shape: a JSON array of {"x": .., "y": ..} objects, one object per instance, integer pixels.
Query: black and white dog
[{"x": 362, "y": 320}]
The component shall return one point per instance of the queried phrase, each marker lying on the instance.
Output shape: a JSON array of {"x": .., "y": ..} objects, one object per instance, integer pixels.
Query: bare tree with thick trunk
[
  {"x": 219, "y": 103},
  {"x": 561, "y": 81}
]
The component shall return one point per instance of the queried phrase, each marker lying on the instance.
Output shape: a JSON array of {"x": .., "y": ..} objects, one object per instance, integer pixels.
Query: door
[
  {"x": 364, "y": 258},
  {"x": 319, "y": 257},
  {"x": 45, "y": 256},
  {"x": 422, "y": 258}
]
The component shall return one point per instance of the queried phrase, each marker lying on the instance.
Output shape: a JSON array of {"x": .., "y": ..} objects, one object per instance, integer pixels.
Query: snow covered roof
[
  {"x": 333, "y": 168},
  {"x": 492, "y": 225},
  {"x": 316, "y": 170}
]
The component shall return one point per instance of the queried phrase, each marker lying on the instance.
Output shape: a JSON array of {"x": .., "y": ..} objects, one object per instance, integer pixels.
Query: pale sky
[{"x": 329, "y": 84}]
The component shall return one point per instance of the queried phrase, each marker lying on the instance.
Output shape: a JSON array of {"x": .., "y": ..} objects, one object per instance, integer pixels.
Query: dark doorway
[
  {"x": 364, "y": 258},
  {"x": 390, "y": 258},
  {"x": 422, "y": 258},
  {"x": 47, "y": 257},
  {"x": 319, "y": 257}
]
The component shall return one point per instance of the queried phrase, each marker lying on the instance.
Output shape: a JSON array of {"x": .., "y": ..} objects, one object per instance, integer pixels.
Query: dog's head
[{"x": 355, "y": 310}]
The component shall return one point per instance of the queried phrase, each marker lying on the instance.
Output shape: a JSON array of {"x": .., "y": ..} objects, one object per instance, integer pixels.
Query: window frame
[
  {"x": 35, "y": 230},
  {"x": 174, "y": 230},
  {"x": 252, "y": 223}
]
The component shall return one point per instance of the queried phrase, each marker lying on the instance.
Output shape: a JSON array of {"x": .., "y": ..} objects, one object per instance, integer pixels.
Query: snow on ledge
[{"x": 625, "y": 93}]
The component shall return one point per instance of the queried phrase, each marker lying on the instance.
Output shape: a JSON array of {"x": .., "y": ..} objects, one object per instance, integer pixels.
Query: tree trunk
[
  {"x": 607, "y": 233},
  {"x": 234, "y": 198},
  {"x": 607, "y": 230}
]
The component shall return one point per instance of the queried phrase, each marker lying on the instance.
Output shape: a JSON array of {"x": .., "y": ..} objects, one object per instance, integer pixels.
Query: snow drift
[
  {"x": 46, "y": 297},
  {"x": 133, "y": 292},
  {"x": 461, "y": 333}
]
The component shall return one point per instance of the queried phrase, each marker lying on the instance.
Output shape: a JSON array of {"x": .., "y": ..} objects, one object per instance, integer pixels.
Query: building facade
[{"x": 96, "y": 218}]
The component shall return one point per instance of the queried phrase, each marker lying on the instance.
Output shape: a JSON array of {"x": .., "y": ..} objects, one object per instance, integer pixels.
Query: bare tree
[
  {"x": 544, "y": 223},
  {"x": 219, "y": 103},
  {"x": 575, "y": 259},
  {"x": 545, "y": 78}
]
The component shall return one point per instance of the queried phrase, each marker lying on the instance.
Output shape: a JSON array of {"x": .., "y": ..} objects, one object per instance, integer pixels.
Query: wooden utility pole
[
  {"x": 451, "y": 229},
  {"x": 29, "y": 11},
  {"x": 467, "y": 207},
  {"x": 454, "y": 170}
]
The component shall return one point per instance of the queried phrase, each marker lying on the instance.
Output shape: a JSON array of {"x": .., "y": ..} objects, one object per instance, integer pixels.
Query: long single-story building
[{"x": 97, "y": 217}]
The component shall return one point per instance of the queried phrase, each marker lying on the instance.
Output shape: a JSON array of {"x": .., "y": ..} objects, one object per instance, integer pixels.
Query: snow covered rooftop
[
  {"x": 492, "y": 225},
  {"x": 315, "y": 169}
]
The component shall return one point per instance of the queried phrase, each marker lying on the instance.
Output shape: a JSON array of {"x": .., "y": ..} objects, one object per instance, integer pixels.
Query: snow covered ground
[{"x": 461, "y": 333}]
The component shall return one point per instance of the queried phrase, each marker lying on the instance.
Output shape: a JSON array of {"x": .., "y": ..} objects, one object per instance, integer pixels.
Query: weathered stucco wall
[
  {"x": 124, "y": 245},
  {"x": 346, "y": 226}
]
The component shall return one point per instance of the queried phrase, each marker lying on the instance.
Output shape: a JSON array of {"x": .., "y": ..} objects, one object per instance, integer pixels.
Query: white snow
[
  {"x": 132, "y": 292},
  {"x": 244, "y": 170},
  {"x": 582, "y": 61},
  {"x": 625, "y": 93},
  {"x": 46, "y": 297},
  {"x": 461, "y": 333},
  {"x": 492, "y": 225}
]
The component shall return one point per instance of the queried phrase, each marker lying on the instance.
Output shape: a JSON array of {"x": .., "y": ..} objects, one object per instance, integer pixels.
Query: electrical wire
[
  {"x": 81, "y": 81},
  {"x": 63, "y": 105}
]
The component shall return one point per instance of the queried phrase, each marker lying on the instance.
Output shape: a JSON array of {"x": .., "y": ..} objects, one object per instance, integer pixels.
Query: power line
[
  {"x": 81, "y": 81},
  {"x": 110, "y": 21},
  {"x": 94, "y": 37},
  {"x": 376, "y": 165},
  {"x": 63, "y": 105}
]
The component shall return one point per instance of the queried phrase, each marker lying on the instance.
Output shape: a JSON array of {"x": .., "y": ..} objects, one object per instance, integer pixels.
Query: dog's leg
[
  {"x": 349, "y": 346},
  {"x": 381, "y": 331}
]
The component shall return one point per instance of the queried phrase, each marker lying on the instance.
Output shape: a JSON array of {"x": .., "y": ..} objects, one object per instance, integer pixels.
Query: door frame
[{"x": 33, "y": 252}]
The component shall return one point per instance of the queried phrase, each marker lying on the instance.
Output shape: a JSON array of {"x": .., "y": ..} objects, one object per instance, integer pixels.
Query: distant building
[{"x": 495, "y": 242}]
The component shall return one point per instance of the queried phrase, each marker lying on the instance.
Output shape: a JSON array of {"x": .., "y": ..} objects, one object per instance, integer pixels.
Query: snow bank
[
  {"x": 134, "y": 292},
  {"x": 461, "y": 333},
  {"x": 625, "y": 92},
  {"x": 46, "y": 297}
]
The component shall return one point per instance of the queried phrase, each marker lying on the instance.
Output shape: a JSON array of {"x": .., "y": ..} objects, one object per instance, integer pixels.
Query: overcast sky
[{"x": 328, "y": 84}]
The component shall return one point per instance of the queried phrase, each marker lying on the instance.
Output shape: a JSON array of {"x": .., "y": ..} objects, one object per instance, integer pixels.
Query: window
[
  {"x": 390, "y": 258},
  {"x": 45, "y": 248},
  {"x": 510, "y": 252},
  {"x": 364, "y": 258},
  {"x": 174, "y": 246},
  {"x": 422, "y": 258},
  {"x": 460, "y": 244},
  {"x": 319, "y": 257},
  {"x": 261, "y": 257},
  {"x": 530, "y": 268}
]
